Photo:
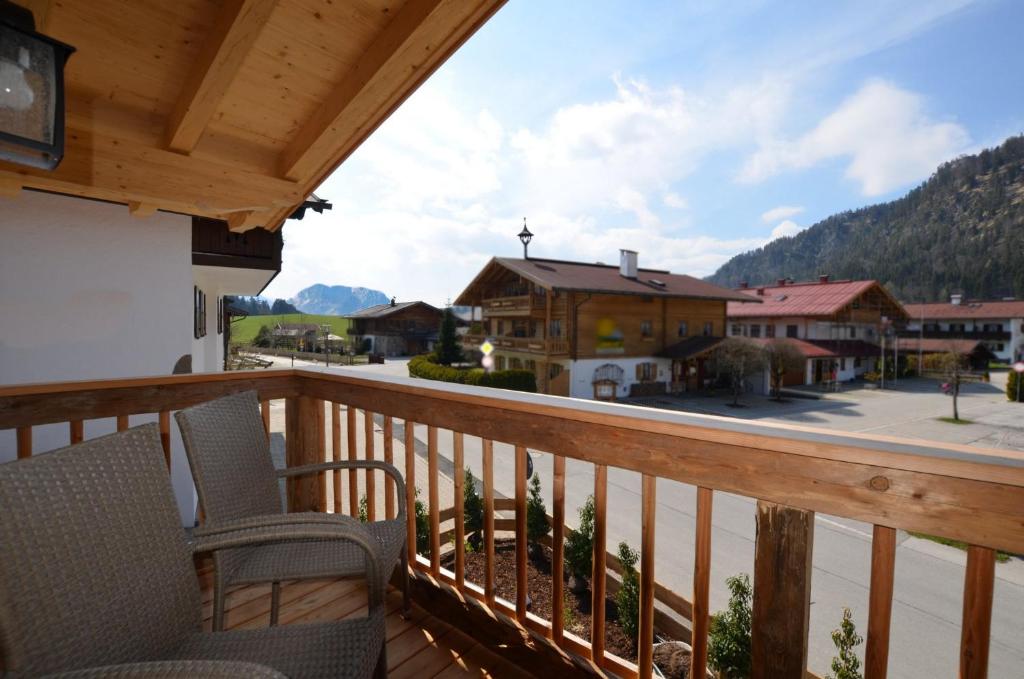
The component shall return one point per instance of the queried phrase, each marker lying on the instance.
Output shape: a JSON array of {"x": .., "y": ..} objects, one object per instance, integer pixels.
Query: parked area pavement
[{"x": 927, "y": 603}]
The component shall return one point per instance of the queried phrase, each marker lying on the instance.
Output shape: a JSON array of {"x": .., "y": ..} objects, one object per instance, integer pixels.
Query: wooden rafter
[
  {"x": 237, "y": 28},
  {"x": 306, "y": 151}
]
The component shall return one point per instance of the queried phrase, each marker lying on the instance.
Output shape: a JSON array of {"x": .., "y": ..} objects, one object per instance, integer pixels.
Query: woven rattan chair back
[
  {"x": 94, "y": 566},
  {"x": 230, "y": 457}
]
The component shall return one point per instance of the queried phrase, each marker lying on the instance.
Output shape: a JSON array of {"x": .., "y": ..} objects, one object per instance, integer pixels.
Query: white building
[{"x": 998, "y": 324}]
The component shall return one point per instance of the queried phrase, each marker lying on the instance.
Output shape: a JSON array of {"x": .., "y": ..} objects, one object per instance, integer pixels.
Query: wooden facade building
[{"x": 596, "y": 330}]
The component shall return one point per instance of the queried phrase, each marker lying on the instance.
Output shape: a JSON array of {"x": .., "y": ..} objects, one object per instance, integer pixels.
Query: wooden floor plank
[{"x": 419, "y": 646}]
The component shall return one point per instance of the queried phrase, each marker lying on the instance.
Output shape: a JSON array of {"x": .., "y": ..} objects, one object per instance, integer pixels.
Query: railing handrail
[{"x": 951, "y": 490}]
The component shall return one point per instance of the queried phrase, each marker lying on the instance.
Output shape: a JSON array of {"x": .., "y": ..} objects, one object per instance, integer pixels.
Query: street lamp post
[
  {"x": 525, "y": 236},
  {"x": 1018, "y": 368}
]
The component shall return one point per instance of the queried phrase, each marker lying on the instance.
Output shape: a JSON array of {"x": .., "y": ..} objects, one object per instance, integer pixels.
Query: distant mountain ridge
[
  {"x": 336, "y": 300},
  {"x": 960, "y": 231}
]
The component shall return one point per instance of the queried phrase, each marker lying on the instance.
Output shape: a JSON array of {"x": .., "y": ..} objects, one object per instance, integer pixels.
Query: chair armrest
[
  {"x": 174, "y": 669},
  {"x": 298, "y": 519},
  {"x": 388, "y": 469},
  {"x": 353, "y": 532}
]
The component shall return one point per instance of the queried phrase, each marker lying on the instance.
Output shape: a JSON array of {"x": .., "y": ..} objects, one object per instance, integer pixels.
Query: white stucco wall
[
  {"x": 582, "y": 374},
  {"x": 89, "y": 292}
]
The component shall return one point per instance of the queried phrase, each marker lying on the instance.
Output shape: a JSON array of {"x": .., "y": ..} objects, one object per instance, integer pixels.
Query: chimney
[
  {"x": 780, "y": 282},
  {"x": 744, "y": 285},
  {"x": 627, "y": 263},
  {"x": 823, "y": 278},
  {"x": 956, "y": 298},
  {"x": 393, "y": 302}
]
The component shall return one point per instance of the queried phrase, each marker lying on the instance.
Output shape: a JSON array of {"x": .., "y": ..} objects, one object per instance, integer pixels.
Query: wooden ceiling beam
[
  {"x": 224, "y": 49},
  {"x": 109, "y": 168},
  {"x": 300, "y": 157}
]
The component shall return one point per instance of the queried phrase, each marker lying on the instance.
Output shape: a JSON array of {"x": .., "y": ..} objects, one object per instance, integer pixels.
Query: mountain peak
[{"x": 336, "y": 300}]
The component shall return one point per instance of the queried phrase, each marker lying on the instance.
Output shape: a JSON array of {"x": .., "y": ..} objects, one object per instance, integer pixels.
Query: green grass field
[{"x": 244, "y": 331}]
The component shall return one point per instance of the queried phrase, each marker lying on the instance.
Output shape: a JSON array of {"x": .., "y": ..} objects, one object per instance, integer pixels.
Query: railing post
[
  {"x": 979, "y": 583},
  {"x": 304, "y": 444},
  {"x": 782, "y": 591}
]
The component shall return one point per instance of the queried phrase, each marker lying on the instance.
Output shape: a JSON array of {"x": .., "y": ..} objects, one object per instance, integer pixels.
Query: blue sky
[{"x": 689, "y": 131}]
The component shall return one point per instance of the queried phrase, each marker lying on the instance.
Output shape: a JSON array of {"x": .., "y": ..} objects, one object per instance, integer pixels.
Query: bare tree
[
  {"x": 737, "y": 358},
  {"x": 952, "y": 365},
  {"x": 782, "y": 357}
]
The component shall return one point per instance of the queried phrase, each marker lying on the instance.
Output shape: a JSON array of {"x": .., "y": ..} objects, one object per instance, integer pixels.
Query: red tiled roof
[
  {"x": 801, "y": 299},
  {"x": 804, "y": 347},
  {"x": 966, "y": 309},
  {"x": 605, "y": 278}
]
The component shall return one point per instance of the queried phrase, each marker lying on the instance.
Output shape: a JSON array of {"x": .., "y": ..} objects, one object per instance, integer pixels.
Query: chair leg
[
  {"x": 218, "y": 605},
  {"x": 275, "y": 602},
  {"x": 406, "y": 602},
  {"x": 381, "y": 670}
]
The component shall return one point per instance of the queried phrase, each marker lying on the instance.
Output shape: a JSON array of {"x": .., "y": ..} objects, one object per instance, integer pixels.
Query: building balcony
[
  {"x": 532, "y": 345},
  {"x": 791, "y": 473},
  {"x": 518, "y": 305},
  {"x": 990, "y": 335}
]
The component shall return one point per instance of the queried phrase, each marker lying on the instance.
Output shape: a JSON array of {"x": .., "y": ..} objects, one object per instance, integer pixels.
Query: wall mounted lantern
[{"x": 31, "y": 91}]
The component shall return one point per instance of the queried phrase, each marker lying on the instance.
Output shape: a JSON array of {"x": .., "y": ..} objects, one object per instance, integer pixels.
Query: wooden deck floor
[{"x": 421, "y": 647}]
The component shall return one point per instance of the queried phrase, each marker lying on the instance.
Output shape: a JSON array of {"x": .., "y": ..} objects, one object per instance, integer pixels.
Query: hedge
[
  {"x": 517, "y": 380},
  {"x": 1011, "y": 386}
]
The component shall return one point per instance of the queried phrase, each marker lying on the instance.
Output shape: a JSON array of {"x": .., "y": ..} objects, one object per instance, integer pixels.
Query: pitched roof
[
  {"x": 556, "y": 274},
  {"x": 381, "y": 310},
  {"x": 691, "y": 346},
  {"x": 803, "y": 299},
  {"x": 805, "y": 347},
  {"x": 967, "y": 309},
  {"x": 964, "y": 347}
]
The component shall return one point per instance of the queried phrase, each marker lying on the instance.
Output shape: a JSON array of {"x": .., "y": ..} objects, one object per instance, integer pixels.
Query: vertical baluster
[
  {"x": 353, "y": 455},
  {"x": 883, "y": 565},
  {"x": 265, "y": 414},
  {"x": 488, "y": 465},
  {"x": 390, "y": 511},
  {"x": 701, "y": 583},
  {"x": 598, "y": 579},
  {"x": 435, "y": 510},
  {"x": 321, "y": 452},
  {"x": 371, "y": 475},
  {"x": 558, "y": 548},
  {"x": 336, "y": 453},
  {"x": 521, "y": 583},
  {"x": 165, "y": 435},
  {"x": 460, "y": 518},
  {"x": 24, "y": 435},
  {"x": 979, "y": 581},
  {"x": 122, "y": 422},
  {"x": 76, "y": 431},
  {"x": 646, "y": 640},
  {"x": 410, "y": 489}
]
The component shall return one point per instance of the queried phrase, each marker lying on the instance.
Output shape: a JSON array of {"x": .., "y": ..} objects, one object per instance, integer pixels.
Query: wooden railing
[{"x": 967, "y": 494}]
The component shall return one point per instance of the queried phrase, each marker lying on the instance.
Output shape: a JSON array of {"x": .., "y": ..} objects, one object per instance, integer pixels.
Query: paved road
[{"x": 929, "y": 577}]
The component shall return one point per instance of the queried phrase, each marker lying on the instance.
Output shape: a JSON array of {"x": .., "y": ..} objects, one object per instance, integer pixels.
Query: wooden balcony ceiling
[{"x": 237, "y": 109}]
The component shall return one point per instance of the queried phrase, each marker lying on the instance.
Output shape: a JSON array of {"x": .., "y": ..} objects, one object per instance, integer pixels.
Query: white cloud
[
  {"x": 785, "y": 229},
  {"x": 781, "y": 212},
  {"x": 883, "y": 130},
  {"x": 675, "y": 201}
]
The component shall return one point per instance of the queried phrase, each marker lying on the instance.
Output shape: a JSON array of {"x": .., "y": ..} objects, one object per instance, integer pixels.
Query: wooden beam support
[
  {"x": 701, "y": 608},
  {"x": 558, "y": 548},
  {"x": 782, "y": 592},
  {"x": 303, "y": 445},
  {"x": 224, "y": 49},
  {"x": 520, "y": 486},
  {"x": 10, "y": 187},
  {"x": 138, "y": 209},
  {"x": 307, "y": 150},
  {"x": 646, "y": 642},
  {"x": 599, "y": 575},
  {"x": 433, "y": 495}
]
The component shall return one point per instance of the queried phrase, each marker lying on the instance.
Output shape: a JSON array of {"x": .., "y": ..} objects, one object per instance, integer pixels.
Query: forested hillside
[{"x": 960, "y": 231}]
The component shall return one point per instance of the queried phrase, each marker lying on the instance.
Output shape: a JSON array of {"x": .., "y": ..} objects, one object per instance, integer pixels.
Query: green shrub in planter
[
  {"x": 846, "y": 665},
  {"x": 537, "y": 525},
  {"x": 729, "y": 634},
  {"x": 472, "y": 510},
  {"x": 579, "y": 546},
  {"x": 627, "y": 599}
]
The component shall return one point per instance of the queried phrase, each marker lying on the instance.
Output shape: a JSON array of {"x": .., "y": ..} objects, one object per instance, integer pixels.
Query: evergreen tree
[
  {"x": 627, "y": 599},
  {"x": 472, "y": 509},
  {"x": 537, "y": 525},
  {"x": 448, "y": 350},
  {"x": 579, "y": 546}
]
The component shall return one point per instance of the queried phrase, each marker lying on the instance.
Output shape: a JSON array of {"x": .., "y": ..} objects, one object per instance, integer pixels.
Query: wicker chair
[
  {"x": 97, "y": 577},
  {"x": 238, "y": 486}
]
